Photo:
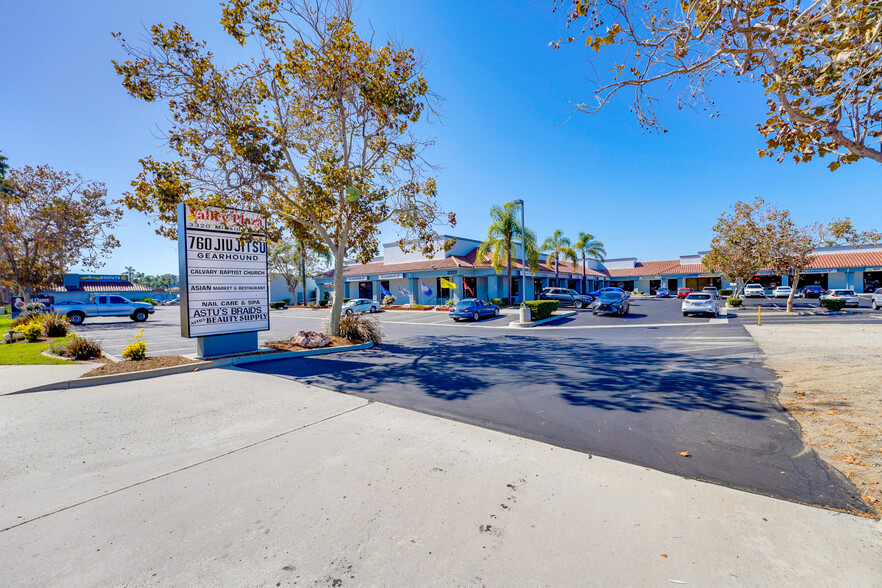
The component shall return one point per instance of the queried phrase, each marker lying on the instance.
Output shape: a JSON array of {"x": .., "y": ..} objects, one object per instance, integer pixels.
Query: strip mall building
[{"x": 415, "y": 278}]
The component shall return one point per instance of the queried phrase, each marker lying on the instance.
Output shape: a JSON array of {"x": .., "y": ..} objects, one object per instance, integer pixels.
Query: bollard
[{"x": 759, "y": 317}]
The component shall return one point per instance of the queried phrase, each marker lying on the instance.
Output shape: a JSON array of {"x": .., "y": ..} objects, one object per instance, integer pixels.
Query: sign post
[{"x": 224, "y": 279}]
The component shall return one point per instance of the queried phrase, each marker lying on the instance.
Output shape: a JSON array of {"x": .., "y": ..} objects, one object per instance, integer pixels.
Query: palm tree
[
  {"x": 588, "y": 245},
  {"x": 559, "y": 246},
  {"x": 502, "y": 230}
]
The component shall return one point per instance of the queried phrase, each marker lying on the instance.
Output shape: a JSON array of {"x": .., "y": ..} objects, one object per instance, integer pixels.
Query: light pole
[{"x": 523, "y": 254}]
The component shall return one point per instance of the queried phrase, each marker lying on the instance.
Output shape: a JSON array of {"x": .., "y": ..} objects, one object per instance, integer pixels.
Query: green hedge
[
  {"x": 496, "y": 301},
  {"x": 540, "y": 309},
  {"x": 277, "y": 305},
  {"x": 726, "y": 292},
  {"x": 832, "y": 304},
  {"x": 734, "y": 302}
]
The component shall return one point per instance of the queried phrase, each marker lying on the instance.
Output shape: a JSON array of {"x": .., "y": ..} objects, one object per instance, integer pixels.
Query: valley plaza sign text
[{"x": 224, "y": 278}]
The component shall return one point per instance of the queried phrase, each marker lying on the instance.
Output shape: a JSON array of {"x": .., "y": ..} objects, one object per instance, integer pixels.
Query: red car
[{"x": 683, "y": 292}]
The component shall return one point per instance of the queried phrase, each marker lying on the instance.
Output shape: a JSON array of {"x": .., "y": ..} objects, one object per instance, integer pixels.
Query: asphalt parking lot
[{"x": 641, "y": 388}]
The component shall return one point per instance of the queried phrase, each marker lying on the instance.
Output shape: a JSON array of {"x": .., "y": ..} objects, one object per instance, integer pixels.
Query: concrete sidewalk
[
  {"x": 21, "y": 377},
  {"x": 234, "y": 478}
]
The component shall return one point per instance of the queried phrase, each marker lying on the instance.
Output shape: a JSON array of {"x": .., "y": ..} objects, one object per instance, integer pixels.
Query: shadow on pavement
[{"x": 632, "y": 402}]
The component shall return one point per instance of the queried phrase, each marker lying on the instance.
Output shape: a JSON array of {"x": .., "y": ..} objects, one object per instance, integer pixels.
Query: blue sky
[{"x": 507, "y": 130}]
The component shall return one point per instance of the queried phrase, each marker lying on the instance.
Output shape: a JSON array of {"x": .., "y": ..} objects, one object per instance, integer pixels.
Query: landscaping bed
[
  {"x": 288, "y": 346},
  {"x": 149, "y": 363},
  {"x": 831, "y": 382}
]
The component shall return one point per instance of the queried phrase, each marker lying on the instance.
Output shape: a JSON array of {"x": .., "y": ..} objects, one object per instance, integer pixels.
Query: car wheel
[
  {"x": 139, "y": 316},
  {"x": 874, "y": 305},
  {"x": 578, "y": 304},
  {"x": 476, "y": 316},
  {"x": 348, "y": 311},
  {"x": 495, "y": 312},
  {"x": 685, "y": 314},
  {"x": 456, "y": 320},
  {"x": 76, "y": 318},
  {"x": 373, "y": 309}
]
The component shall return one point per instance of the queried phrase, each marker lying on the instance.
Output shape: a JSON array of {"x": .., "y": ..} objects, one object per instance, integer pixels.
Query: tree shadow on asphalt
[{"x": 580, "y": 371}]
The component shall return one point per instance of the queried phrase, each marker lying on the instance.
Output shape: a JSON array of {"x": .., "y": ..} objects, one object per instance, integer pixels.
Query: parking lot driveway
[{"x": 642, "y": 396}]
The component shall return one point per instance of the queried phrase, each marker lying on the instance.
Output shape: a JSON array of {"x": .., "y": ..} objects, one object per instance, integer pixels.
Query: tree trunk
[
  {"x": 584, "y": 277},
  {"x": 556, "y": 272},
  {"x": 303, "y": 273},
  {"x": 792, "y": 291},
  {"x": 337, "y": 306}
]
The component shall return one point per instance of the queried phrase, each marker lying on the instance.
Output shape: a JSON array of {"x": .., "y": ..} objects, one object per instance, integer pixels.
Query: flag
[
  {"x": 467, "y": 289},
  {"x": 404, "y": 292},
  {"x": 426, "y": 290},
  {"x": 447, "y": 284},
  {"x": 384, "y": 291}
]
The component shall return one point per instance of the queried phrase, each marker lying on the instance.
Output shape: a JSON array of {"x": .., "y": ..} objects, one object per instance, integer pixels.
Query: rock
[
  {"x": 310, "y": 339},
  {"x": 15, "y": 334}
]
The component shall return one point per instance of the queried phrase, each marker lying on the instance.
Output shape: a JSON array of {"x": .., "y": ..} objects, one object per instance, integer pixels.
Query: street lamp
[{"x": 523, "y": 254}]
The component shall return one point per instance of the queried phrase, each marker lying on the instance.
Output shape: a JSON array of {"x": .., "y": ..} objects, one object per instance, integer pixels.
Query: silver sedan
[{"x": 701, "y": 303}]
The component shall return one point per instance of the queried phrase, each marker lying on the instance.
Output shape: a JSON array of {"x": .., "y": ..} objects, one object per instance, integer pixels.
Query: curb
[
  {"x": 519, "y": 325},
  {"x": 180, "y": 369}
]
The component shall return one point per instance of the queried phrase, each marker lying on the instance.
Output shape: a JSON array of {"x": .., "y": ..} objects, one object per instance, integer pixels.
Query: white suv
[
  {"x": 876, "y": 301},
  {"x": 754, "y": 290}
]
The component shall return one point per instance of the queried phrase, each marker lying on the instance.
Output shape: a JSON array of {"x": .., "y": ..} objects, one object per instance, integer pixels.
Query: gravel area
[{"x": 831, "y": 382}]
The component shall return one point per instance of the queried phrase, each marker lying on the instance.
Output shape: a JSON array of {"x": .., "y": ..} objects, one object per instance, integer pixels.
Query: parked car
[
  {"x": 711, "y": 290},
  {"x": 876, "y": 300},
  {"x": 754, "y": 291},
  {"x": 76, "y": 312},
  {"x": 473, "y": 308},
  {"x": 683, "y": 292},
  {"x": 810, "y": 292},
  {"x": 597, "y": 293},
  {"x": 851, "y": 299},
  {"x": 782, "y": 291},
  {"x": 566, "y": 297},
  {"x": 360, "y": 305},
  {"x": 662, "y": 293},
  {"x": 611, "y": 302},
  {"x": 701, "y": 303}
]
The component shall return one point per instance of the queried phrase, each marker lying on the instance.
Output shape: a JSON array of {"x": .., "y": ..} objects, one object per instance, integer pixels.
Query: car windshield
[
  {"x": 698, "y": 297},
  {"x": 608, "y": 296},
  {"x": 466, "y": 303}
]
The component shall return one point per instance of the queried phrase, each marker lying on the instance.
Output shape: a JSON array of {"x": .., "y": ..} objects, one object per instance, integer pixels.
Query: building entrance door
[
  {"x": 654, "y": 285},
  {"x": 366, "y": 290}
]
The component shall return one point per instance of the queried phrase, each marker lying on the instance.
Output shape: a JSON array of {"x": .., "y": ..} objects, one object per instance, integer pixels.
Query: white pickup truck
[{"x": 76, "y": 312}]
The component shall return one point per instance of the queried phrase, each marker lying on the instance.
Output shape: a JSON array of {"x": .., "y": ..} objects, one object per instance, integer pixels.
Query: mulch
[{"x": 128, "y": 366}]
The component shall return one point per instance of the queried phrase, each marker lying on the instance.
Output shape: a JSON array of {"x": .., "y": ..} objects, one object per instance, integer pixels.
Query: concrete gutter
[
  {"x": 180, "y": 369},
  {"x": 553, "y": 317}
]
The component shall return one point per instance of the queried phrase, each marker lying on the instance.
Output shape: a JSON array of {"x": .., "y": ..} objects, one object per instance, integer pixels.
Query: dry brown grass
[{"x": 831, "y": 382}]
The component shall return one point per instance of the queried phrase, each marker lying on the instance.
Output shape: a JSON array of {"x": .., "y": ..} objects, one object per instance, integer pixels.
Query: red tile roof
[
  {"x": 852, "y": 259},
  {"x": 641, "y": 269}
]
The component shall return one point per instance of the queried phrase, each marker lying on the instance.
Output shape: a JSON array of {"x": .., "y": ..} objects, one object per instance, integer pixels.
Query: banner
[
  {"x": 426, "y": 290},
  {"x": 447, "y": 284}
]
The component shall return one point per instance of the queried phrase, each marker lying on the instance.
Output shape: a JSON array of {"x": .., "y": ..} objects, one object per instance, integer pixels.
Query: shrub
[
  {"x": 345, "y": 300},
  {"x": 496, "y": 301},
  {"x": 59, "y": 346},
  {"x": 726, "y": 292},
  {"x": 734, "y": 302},
  {"x": 136, "y": 350},
  {"x": 833, "y": 304},
  {"x": 450, "y": 303},
  {"x": 31, "y": 331},
  {"x": 323, "y": 302},
  {"x": 359, "y": 327},
  {"x": 23, "y": 320},
  {"x": 419, "y": 306},
  {"x": 286, "y": 300},
  {"x": 388, "y": 300},
  {"x": 152, "y": 301},
  {"x": 80, "y": 348},
  {"x": 540, "y": 309},
  {"x": 55, "y": 325},
  {"x": 33, "y": 308},
  {"x": 277, "y": 305}
]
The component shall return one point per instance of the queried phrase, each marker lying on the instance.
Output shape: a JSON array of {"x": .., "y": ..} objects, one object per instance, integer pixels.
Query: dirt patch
[
  {"x": 831, "y": 382},
  {"x": 150, "y": 363},
  {"x": 288, "y": 346}
]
